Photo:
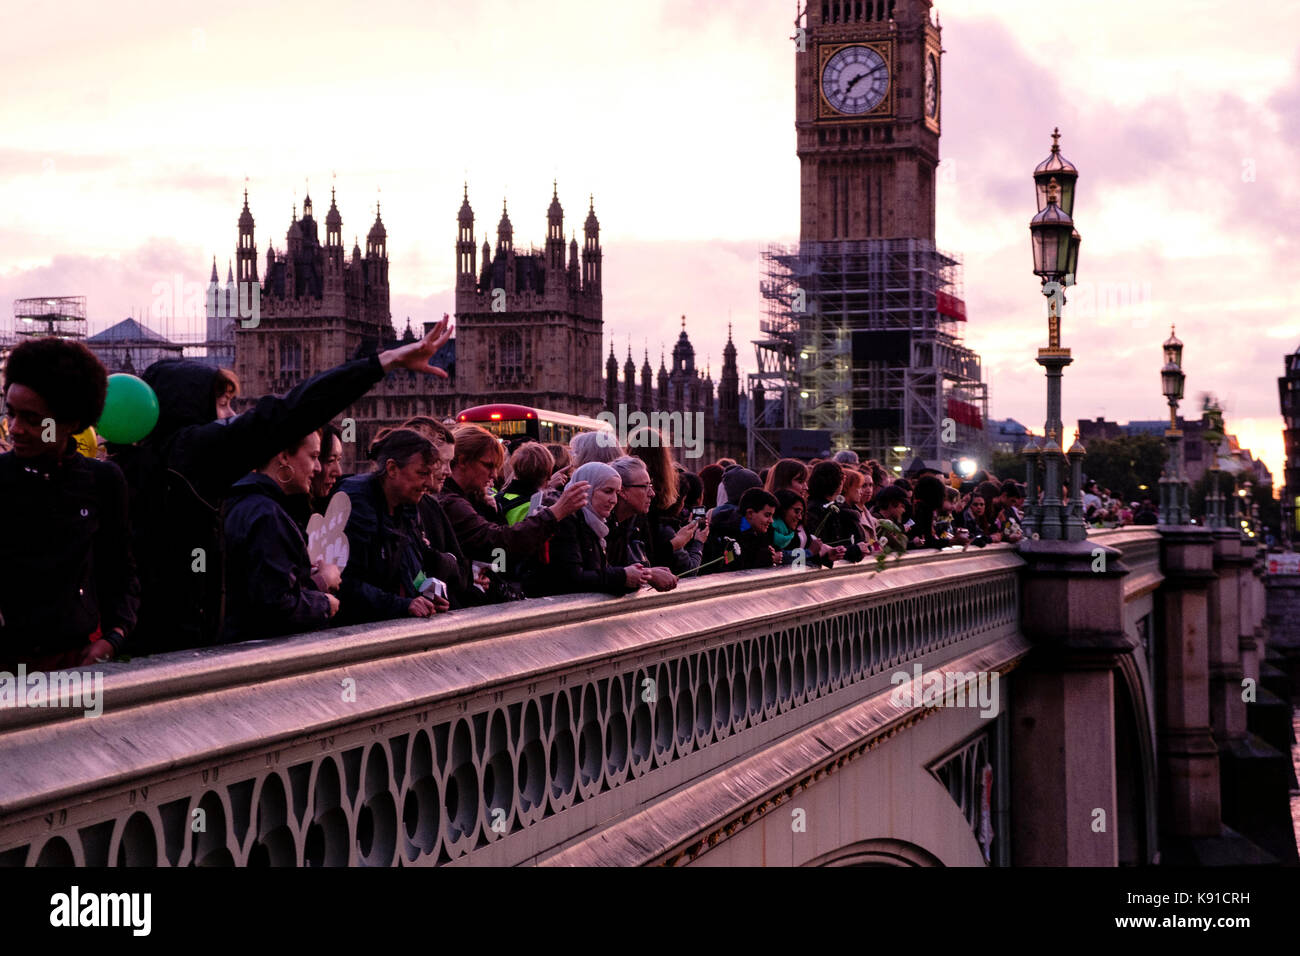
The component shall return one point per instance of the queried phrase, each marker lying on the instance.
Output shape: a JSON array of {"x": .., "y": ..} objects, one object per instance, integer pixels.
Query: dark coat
[
  {"x": 444, "y": 558},
  {"x": 66, "y": 567},
  {"x": 180, "y": 474},
  {"x": 836, "y": 527},
  {"x": 269, "y": 590},
  {"x": 662, "y": 527},
  {"x": 385, "y": 554},
  {"x": 754, "y": 546},
  {"x": 577, "y": 562},
  {"x": 481, "y": 531}
]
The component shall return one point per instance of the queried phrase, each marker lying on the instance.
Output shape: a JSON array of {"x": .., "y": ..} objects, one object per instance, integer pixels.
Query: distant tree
[
  {"x": 1007, "y": 464},
  {"x": 1124, "y": 464}
]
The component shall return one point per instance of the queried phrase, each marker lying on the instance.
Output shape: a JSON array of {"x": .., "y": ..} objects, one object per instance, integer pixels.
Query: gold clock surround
[
  {"x": 932, "y": 122},
  {"x": 884, "y": 110}
]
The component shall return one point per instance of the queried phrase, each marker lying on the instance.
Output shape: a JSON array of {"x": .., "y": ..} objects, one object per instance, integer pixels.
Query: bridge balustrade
[{"x": 501, "y": 735}]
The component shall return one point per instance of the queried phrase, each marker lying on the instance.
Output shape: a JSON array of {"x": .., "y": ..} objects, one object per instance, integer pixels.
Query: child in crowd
[{"x": 530, "y": 468}]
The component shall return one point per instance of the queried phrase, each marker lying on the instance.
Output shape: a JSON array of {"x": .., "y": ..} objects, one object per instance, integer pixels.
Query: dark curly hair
[{"x": 66, "y": 374}]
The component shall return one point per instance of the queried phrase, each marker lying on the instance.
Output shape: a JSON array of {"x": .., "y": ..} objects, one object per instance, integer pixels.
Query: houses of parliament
[{"x": 529, "y": 328}]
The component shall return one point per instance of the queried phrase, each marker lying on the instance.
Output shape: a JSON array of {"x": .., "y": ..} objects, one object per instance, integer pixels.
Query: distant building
[
  {"x": 529, "y": 327},
  {"x": 1288, "y": 387},
  {"x": 1100, "y": 428},
  {"x": 1233, "y": 459},
  {"x": 684, "y": 390},
  {"x": 318, "y": 308},
  {"x": 130, "y": 347},
  {"x": 1007, "y": 435}
]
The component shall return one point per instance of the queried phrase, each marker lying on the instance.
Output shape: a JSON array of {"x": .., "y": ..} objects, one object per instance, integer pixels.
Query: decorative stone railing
[
  {"x": 1140, "y": 547},
  {"x": 497, "y": 735}
]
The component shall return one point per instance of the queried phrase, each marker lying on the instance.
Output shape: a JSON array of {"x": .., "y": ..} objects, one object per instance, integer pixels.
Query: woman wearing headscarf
[{"x": 576, "y": 560}]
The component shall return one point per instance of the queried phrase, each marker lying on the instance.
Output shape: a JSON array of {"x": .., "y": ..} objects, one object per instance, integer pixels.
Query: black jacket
[
  {"x": 481, "y": 530},
  {"x": 269, "y": 590},
  {"x": 444, "y": 558},
  {"x": 385, "y": 554},
  {"x": 577, "y": 562},
  {"x": 66, "y": 567},
  {"x": 180, "y": 474},
  {"x": 754, "y": 546},
  {"x": 662, "y": 527},
  {"x": 835, "y": 526}
]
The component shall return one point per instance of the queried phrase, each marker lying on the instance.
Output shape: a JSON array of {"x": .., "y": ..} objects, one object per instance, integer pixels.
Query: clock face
[
  {"x": 855, "y": 79},
  {"x": 931, "y": 86}
]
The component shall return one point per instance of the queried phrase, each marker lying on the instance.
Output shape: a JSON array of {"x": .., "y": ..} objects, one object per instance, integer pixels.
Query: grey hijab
[{"x": 596, "y": 473}]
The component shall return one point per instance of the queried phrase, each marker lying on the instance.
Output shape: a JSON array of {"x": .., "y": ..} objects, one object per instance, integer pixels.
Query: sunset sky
[{"x": 129, "y": 131}]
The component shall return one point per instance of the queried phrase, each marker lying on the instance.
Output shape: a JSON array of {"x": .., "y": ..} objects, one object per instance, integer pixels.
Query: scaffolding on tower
[{"x": 863, "y": 341}]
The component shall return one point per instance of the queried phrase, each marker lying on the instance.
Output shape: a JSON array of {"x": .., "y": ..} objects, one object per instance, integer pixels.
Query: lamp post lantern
[
  {"x": 1174, "y": 508},
  {"x": 1214, "y": 510},
  {"x": 1055, "y": 243}
]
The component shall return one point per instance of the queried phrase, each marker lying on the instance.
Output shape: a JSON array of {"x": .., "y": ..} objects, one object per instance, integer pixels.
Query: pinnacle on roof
[
  {"x": 246, "y": 217},
  {"x": 554, "y": 212},
  {"x": 214, "y": 268},
  {"x": 592, "y": 222},
  {"x": 377, "y": 231},
  {"x": 332, "y": 218},
  {"x": 466, "y": 213}
]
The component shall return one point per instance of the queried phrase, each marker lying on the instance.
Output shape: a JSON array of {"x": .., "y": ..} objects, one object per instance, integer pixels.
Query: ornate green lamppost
[
  {"x": 1213, "y": 434},
  {"x": 1174, "y": 508},
  {"x": 1055, "y": 244}
]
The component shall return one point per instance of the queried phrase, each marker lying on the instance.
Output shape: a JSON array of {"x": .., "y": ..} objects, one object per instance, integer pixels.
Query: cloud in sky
[{"x": 127, "y": 151}]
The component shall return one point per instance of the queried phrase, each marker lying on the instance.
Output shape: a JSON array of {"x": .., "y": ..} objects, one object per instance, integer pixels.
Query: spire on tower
[{"x": 214, "y": 269}]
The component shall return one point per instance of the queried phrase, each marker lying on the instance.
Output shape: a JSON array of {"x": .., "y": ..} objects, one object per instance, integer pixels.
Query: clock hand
[{"x": 853, "y": 82}]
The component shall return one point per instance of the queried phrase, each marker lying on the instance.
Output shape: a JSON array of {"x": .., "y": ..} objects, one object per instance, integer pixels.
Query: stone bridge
[{"x": 1091, "y": 712}]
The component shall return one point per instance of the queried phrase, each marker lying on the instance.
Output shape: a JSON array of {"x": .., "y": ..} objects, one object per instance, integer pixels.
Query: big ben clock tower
[
  {"x": 867, "y": 119},
  {"x": 864, "y": 345}
]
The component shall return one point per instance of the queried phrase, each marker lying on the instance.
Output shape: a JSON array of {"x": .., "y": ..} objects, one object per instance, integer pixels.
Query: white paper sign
[
  {"x": 326, "y": 542},
  {"x": 1284, "y": 563}
]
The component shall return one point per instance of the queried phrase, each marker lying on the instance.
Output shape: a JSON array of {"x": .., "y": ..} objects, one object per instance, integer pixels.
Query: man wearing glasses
[{"x": 628, "y": 530}]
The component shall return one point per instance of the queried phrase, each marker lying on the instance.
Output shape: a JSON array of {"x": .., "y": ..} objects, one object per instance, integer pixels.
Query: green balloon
[{"x": 130, "y": 410}]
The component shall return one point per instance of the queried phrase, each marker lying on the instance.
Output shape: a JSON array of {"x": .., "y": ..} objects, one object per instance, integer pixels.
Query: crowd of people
[{"x": 199, "y": 533}]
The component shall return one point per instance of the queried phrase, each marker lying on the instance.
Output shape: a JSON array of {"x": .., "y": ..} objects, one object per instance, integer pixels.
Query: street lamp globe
[
  {"x": 1051, "y": 232},
  {"x": 1172, "y": 379},
  {"x": 1173, "y": 348},
  {"x": 1057, "y": 167}
]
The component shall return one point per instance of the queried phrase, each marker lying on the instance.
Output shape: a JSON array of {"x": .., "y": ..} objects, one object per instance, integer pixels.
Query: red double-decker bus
[{"x": 513, "y": 421}]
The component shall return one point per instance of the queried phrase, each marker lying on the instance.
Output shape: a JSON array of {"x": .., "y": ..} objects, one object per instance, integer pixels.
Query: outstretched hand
[{"x": 415, "y": 355}]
